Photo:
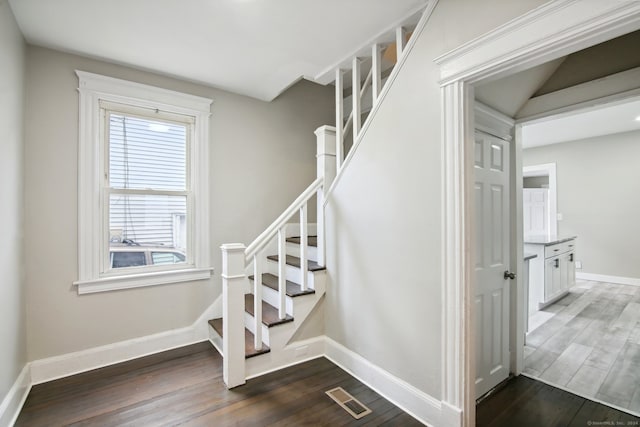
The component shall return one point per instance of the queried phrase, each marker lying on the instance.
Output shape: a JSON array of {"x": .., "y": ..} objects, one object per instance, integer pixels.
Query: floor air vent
[{"x": 348, "y": 402}]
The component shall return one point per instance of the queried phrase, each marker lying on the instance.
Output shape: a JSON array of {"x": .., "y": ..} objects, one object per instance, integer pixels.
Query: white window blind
[{"x": 148, "y": 185}]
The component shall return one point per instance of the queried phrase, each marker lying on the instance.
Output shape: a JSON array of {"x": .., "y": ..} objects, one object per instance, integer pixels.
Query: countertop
[
  {"x": 527, "y": 257},
  {"x": 546, "y": 240}
]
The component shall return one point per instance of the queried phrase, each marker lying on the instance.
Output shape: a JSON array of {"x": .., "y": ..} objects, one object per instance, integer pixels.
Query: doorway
[{"x": 536, "y": 37}]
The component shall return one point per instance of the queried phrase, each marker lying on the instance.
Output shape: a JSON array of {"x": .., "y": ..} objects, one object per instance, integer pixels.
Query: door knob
[{"x": 509, "y": 275}]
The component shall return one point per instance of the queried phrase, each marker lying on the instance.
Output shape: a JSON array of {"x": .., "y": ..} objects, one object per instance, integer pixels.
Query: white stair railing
[
  {"x": 371, "y": 86},
  {"x": 237, "y": 258}
]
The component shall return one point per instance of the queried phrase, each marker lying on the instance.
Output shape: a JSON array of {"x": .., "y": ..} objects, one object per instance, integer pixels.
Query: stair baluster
[
  {"x": 340, "y": 128},
  {"x": 401, "y": 40},
  {"x": 257, "y": 300},
  {"x": 356, "y": 97},
  {"x": 303, "y": 247},
  {"x": 282, "y": 278},
  {"x": 376, "y": 71}
]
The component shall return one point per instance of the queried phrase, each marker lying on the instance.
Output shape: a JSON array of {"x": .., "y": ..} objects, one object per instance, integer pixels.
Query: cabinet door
[
  {"x": 551, "y": 277},
  {"x": 563, "y": 284},
  {"x": 571, "y": 270}
]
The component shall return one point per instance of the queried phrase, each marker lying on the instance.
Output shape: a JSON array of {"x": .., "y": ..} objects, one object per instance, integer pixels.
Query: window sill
[{"x": 106, "y": 284}]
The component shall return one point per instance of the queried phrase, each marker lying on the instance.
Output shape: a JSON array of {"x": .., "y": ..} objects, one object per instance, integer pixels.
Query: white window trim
[{"x": 93, "y": 88}]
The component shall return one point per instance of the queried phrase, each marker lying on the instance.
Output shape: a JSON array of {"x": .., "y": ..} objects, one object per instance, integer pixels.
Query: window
[
  {"x": 143, "y": 185},
  {"x": 146, "y": 180}
]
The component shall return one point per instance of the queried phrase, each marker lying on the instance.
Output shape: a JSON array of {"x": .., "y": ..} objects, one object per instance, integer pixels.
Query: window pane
[
  {"x": 147, "y": 222},
  {"x": 126, "y": 259},
  {"x": 166, "y": 257},
  {"x": 146, "y": 153}
]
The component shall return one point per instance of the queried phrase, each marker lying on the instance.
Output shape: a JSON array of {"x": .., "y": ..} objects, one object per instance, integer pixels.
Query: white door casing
[{"x": 491, "y": 297}]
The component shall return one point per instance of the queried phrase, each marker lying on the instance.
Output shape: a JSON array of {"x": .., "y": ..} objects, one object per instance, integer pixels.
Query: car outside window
[
  {"x": 166, "y": 258},
  {"x": 127, "y": 259}
]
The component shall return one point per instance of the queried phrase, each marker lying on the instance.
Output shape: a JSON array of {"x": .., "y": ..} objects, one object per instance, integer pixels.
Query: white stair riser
[
  {"x": 250, "y": 325},
  {"x": 216, "y": 340},
  {"x": 292, "y": 273},
  {"x": 270, "y": 296},
  {"x": 294, "y": 249}
]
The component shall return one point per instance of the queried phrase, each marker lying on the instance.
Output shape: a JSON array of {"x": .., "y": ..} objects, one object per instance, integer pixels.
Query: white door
[
  {"x": 493, "y": 253},
  {"x": 535, "y": 208}
]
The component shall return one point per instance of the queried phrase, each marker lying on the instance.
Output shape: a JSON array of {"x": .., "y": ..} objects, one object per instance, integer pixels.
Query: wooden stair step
[
  {"x": 270, "y": 315},
  {"x": 293, "y": 289},
  {"x": 249, "y": 349},
  {"x": 311, "y": 240},
  {"x": 295, "y": 262}
]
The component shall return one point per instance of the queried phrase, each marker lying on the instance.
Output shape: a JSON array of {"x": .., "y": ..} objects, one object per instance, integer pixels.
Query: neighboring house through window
[{"x": 143, "y": 185}]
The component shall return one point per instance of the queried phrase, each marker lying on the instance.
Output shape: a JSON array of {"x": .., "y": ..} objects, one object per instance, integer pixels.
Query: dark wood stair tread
[
  {"x": 293, "y": 289},
  {"x": 270, "y": 315},
  {"x": 249, "y": 348},
  {"x": 295, "y": 262},
  {"x": 311, "y": 240}
]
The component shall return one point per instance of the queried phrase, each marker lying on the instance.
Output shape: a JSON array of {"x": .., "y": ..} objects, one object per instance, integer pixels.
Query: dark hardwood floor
[
  {"x": 525, "y": 402},
  {"x": 184, "y": 387}
]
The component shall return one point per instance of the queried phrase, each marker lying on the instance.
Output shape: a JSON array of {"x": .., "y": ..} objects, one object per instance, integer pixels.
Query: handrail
[{"x": 263, "y": 239}]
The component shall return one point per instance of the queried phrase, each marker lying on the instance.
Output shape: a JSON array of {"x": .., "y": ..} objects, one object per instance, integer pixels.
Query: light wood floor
[
  {"x": 184, "y": 387},
  {"x": 591, "y": 344}
]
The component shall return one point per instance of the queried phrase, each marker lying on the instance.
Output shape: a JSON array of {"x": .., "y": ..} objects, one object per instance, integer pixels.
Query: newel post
[
  {"x": 327, "y": 169},
  {"x": 233, "y": 281}
]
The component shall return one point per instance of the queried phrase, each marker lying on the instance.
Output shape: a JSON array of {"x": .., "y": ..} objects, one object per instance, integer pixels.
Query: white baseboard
[
  {"x": 450, "y": 415},
  {"x": 52, "y": 368},
  {"x": 13, "y": 401},
  {"x": 292, "y": 354},
  {"x": 418, "y": 404},
  {"x": 608, "y": 279}
]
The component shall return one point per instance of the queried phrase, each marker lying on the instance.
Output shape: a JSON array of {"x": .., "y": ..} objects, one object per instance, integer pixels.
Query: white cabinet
[
  {"x": 558, "y": 276},
  {"x": 552, "y": 272}
]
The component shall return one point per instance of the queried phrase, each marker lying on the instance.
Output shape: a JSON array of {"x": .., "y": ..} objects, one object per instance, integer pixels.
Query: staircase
[
  {"x": 298, "y": 302},
  {"x": 270, "y": 287}
]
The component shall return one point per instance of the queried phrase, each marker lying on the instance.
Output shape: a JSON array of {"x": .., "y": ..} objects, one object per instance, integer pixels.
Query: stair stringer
[{"x": 284, "y": 352}]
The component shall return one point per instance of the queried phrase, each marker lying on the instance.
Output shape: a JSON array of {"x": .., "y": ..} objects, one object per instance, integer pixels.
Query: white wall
[
  {"x": 262, "y": 157},
  {"x": 598, "y": 186},
  {"x": 12, "y": 295},
  {"x": 384, "y": 217}
]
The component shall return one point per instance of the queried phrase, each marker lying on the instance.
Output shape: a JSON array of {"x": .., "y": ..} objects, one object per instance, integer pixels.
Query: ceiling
[
  {"x": 597, "y": 121},
  {"x": 510, "y": 95},
  {"x": 253, "y": 47}
]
